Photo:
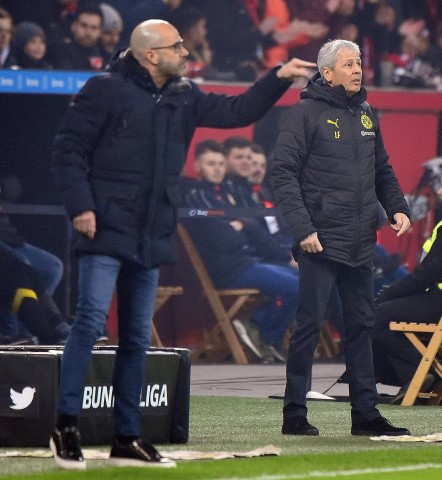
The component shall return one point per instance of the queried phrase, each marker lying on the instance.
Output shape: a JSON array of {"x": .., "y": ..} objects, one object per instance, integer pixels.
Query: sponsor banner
[
  {"x": 99, "y": 399},
  {"x": 42, "y": 81},
  {"x": 29, "y": 394}
]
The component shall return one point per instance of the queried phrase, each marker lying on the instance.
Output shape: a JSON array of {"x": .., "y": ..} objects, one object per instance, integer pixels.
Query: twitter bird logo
[{"x": 22, "y": 400}]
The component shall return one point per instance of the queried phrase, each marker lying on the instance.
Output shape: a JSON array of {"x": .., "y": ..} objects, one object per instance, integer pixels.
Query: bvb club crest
[{"x": 366, "y": 121}]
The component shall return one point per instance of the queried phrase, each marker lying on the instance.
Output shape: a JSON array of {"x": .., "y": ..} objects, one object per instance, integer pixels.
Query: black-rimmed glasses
[{"x": 176, "y": 46}]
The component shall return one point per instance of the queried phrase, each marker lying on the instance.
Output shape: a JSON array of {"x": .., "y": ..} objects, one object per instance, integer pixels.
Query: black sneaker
[
  {"x": 298, "y": 426},
  {"x": 137, "y": 454},
  {"x": 378, "y": 426},
  {"x": 65, "y": 445}
]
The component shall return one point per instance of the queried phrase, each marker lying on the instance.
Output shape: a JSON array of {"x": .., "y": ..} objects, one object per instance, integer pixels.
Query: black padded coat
[
  {"x": 331, "y": 169},
  {"x": 122, "y": 146}
]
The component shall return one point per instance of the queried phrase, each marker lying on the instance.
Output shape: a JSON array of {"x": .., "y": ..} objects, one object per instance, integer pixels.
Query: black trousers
[
  {"x": 317, "y": 276},
  {"x": 395, "y": 358}
]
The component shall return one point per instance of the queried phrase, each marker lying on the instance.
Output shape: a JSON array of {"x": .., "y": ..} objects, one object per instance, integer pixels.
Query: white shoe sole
[
  {"x": 132, "y": 462},
  {"x": 66, "y": 464},
  {"x": 244, "y": 336}
]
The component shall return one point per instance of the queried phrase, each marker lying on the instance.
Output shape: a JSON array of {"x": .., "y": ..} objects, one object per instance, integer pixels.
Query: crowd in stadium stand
[{"x": 232, "y": 40}]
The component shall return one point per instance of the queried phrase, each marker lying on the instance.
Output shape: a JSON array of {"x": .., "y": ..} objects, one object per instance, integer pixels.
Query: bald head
[
  {"x": 151, "y": 34},
  {"x": 158, "y": 47}
]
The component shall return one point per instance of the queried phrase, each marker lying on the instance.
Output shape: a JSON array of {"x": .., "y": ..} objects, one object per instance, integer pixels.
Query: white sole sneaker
[
  {"x": 244, "y": 336},
  {"x": 66, "y": 464},
  {"x": 132, "y": 462}
]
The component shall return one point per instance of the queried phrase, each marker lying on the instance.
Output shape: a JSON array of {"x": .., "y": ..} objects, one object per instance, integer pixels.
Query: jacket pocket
[{"x": 117, "y": 205}]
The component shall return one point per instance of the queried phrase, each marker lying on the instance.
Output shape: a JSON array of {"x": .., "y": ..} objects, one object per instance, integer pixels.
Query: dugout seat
[
  {"x": 427, "y": 339},
  {"x": 221, "y": 341}
]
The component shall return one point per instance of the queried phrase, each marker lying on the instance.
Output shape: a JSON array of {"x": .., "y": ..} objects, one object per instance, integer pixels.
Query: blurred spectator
[
  {"x": 419, "y": 64},
  {"x": 343, "y": 16},
  {"x": 111, "y": 31},
  {"x": 313, "y": 16},
  {"x": 236, "y": 39},
  {"x": 58, "y": 19},
  {"x": 347, "y": 31},
  {"x": 428, "y": 10},
  {"x": 238, "y": 151},
  {"x": 386, "y": 41},
  {"x": 271, "y": 17},
  {"x": 80, "y": 50},
  {"x": 7, "y": 58},
  {"x": 191, "y": 22},
  {"x": 136, "y": 11},
  {"x": 432, "y": 52},
  {"x": 30, "y": 46},
  {"x": 54, "y": 16}
]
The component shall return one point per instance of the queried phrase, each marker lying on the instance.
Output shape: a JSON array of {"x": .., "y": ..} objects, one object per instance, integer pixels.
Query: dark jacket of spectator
[
  {"x": 234, "y": 38},
  {"x": 69, "y": 55},
  {"x": 227, "y": 252}
]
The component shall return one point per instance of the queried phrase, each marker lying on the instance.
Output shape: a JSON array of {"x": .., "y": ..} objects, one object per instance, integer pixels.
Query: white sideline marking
[{"x": 341, "y": 473}]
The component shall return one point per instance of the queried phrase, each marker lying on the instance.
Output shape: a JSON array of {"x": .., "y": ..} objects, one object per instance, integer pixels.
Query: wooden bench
[{"x": 427, "y": 339}]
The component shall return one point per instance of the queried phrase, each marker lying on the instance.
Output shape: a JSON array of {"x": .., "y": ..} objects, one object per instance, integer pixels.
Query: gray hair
[{"x": 329, "y": 51}]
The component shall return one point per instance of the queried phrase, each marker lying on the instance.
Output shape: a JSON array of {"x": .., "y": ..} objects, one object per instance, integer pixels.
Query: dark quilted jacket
[
  {"x": 330, "y": 171},
  {"x": 123, "y": 144}
]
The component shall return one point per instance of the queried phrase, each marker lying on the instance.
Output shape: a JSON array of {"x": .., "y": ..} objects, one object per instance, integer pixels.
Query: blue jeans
[
  {"x": 50, "y": 268},
  {"x": 281, "y": 284},
  {"x": 99, "y": 275}
]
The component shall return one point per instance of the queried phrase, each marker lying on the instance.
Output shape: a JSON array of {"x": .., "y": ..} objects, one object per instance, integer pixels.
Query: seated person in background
[
  {"x": 110, "y": 33},
  {"x": 30, "y": 47},
  {"x": 47, "y": 266},
  {"x": 238, "y": 151},
  {"x": 263, "y": 195},
  {"x": 23, "y": 293},
  {"x": 237, "y": 255},
  {"x": 387, "y": 268},
  {"x": 415, "y": 298},
  {"x": 242, "y": 165},
  {"x": 80, "y": 50}
]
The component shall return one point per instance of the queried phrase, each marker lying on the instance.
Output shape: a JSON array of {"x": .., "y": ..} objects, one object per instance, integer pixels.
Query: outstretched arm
[{"x": 295, "y": 68}]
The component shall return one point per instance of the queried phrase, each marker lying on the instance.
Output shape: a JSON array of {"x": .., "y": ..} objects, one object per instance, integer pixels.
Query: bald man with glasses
[{"x": 117, "y": 158}]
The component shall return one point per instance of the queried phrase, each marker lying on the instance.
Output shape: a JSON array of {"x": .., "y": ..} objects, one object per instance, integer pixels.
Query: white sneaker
[{"x": 241, "y": 328}]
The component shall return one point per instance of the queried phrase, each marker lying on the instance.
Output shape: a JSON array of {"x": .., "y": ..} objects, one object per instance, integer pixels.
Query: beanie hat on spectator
[
  {"x": 25, "y": 31},
  {"x": 111, "y": 18}
]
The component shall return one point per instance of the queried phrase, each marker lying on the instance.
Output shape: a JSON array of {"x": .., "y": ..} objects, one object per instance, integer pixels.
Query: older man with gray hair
[{"x": 330, "y": 171}]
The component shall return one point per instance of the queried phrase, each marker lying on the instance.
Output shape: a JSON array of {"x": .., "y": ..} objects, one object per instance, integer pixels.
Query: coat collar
[{"x": 124, "y": 62}]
